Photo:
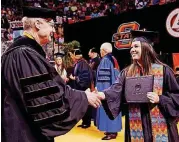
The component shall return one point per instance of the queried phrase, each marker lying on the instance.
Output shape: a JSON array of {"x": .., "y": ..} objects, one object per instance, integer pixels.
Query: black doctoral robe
[
  {"x": 168, "y": 105},
  {"x": 37, "y": 105}
]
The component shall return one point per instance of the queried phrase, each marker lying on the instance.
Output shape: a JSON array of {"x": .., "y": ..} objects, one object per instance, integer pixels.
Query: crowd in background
[
  {"x": 69, "y": 11},
  {"x": 79, "y": 10}
]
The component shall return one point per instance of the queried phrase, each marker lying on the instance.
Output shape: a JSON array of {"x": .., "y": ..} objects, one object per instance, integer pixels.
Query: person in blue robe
[{"x": 107, "y": 73}]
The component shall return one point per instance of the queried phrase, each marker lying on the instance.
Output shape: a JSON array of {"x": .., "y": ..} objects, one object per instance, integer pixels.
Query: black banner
[{"x": 92, "y": 33}]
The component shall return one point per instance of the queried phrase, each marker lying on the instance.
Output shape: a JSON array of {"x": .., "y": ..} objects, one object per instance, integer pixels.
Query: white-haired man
[
  {"x": 107, "y": 73},
  {"x": 36, "y": 103}
]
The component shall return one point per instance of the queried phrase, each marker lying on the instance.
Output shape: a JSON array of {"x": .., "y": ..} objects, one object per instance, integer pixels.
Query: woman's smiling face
[{"x": 136, "y": 50}]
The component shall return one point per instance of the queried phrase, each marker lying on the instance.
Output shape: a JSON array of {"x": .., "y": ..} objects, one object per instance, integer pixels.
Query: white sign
[
  {"x": 16, "y": 24},
  {"x": 172, "y": 23}
]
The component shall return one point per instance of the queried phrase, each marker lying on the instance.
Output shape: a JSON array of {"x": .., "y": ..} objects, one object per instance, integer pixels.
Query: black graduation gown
[
  {"x": 94, "y": 63},
  {"x": 70, "y": 71},
  {"x": 83, "y": 74},
  {"x": 83, "y": 81},
  {"x": 37, "y": 105},
  {"x": 169, "y": 105}
]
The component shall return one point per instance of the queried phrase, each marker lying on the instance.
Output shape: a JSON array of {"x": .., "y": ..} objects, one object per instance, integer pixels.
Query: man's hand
[
  {"x": 153, "y": 97},
  {"x": 93, "y": 98},
  {"x": 102, "y": 95}
]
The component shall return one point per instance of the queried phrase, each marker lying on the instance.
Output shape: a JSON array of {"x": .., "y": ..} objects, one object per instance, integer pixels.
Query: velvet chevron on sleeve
[{"x": 37, "y": 104}]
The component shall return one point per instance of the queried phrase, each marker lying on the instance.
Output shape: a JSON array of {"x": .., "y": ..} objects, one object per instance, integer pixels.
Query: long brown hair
[
  {"x": 62, "y": 66},
  {"x": 148, "y": 56}
]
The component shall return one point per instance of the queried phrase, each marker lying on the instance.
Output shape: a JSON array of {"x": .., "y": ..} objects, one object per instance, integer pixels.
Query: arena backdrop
[{"x": 92, "y": 33}]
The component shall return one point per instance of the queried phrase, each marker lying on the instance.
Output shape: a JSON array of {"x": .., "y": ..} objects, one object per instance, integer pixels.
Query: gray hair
[
  {"x": 107, "y": 47},
  {"x": 29, "y": 22}
]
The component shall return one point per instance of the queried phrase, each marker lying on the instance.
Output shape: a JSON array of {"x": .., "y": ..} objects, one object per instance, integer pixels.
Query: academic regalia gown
[
  {"x": 36, "y": 104},
  {"x": 94, "y": 63},
  {"x": 168, "y": 105},
  {"x": 83, "y": 74},
  {"x": 106, "y": 76},
  {"x": 83, "y": 81},
  {"x": 70, "y": 71}
]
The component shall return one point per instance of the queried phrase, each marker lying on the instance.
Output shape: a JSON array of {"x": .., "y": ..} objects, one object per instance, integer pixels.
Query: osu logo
[
  {"x": 172, "y": 23},
  {"x": 122, "y": 39}
]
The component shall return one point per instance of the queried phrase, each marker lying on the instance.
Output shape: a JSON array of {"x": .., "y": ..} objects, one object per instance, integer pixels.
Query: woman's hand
[
  {"x": 153, "y": 97},
  {"x": 66, "y": 79},
  {"x": 72, "y": 77}
]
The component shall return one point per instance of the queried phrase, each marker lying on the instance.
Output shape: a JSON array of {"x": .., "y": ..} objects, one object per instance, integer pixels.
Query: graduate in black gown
[
  {"x": 148, "y": 122},
  {"x": 37, "y": 105},
  {"x": 94, "y": 61},
  {"x": 83, "y": 79}
]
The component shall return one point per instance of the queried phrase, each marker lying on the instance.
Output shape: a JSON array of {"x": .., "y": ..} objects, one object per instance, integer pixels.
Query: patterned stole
[{"x": 158, "y": 122}]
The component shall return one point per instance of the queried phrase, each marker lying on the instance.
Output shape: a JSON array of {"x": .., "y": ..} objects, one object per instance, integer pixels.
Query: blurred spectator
[
  {"x": 95, "y": 13},
  {"x": 36, "y": 4},
  {"x": 109, "y": 11},
  {"x": 139, "y": 4},
  {"x": 4, "y": 21},
  {"x": 59, "y": 66}
]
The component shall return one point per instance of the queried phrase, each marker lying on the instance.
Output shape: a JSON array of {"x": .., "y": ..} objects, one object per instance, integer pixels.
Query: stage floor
[{"x": 91, "y": 134}]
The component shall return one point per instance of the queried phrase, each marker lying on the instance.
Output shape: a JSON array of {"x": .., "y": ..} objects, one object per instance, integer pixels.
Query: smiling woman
[
  {"x": 142, "y": 52},
  {"x": 136, "y": 50},
  {"x": 153, "y": 121}
]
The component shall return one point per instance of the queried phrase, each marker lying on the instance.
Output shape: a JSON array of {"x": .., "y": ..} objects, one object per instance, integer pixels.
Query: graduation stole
[{"x": 158, "y": 122}]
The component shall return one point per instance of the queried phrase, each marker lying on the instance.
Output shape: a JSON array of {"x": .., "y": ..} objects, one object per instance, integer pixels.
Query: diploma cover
[{"x": 136, "y": 88}]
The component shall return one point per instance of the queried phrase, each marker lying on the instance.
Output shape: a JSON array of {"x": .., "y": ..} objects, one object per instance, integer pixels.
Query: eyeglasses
[{"x": 51, "y": 23}]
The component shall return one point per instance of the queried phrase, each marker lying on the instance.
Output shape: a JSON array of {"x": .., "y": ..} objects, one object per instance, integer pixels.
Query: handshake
[{"x": 95, "y": 97}]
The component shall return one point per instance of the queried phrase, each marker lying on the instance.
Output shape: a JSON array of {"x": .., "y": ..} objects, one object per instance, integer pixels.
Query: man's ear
[{"x": 38, "y": 24}]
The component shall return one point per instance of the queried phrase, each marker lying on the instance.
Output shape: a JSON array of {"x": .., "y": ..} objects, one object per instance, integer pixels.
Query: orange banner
[{"x": 175, "y": 60}]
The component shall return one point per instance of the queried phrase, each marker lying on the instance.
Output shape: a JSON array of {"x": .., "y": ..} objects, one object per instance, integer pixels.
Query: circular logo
[
  {"x": 172, "y": 23},
  {"x": 137, "y": 87}
]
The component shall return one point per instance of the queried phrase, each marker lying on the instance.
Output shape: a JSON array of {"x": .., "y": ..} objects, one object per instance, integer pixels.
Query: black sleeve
[
  {"x": 169, "y": 101},
  {"x": 53, "y": 107}
]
